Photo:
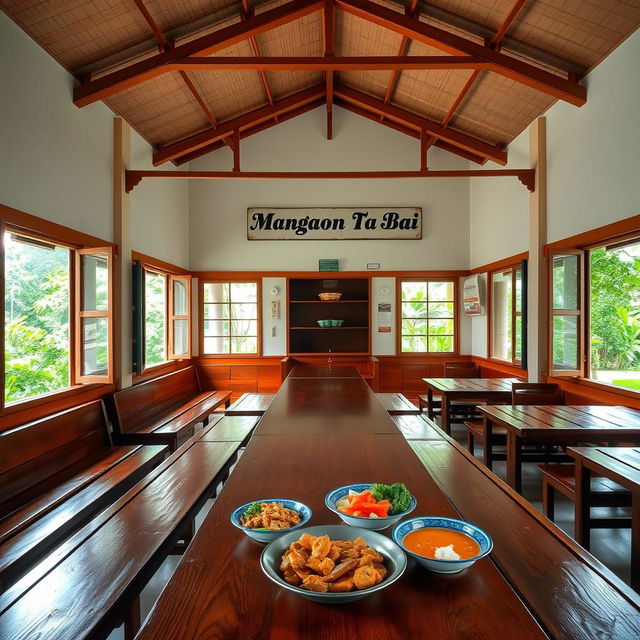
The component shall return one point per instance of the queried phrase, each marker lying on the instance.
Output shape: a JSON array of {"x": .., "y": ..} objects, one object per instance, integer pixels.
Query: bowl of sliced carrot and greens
[{"x": 370, "y": 505}]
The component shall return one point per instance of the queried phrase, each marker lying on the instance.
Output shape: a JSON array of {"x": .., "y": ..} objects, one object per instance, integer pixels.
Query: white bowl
[
  {"x": 374, "y": 524},
  {"x": 436, "y": 522},
  {"x": 267, "y": 535}
]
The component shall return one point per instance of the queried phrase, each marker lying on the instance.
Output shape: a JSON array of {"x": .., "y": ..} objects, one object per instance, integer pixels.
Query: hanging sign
[
  {"x": 471, "y": 296},
  {"x": 384, "y": 317},
  {"x": 357, "y": 223}
]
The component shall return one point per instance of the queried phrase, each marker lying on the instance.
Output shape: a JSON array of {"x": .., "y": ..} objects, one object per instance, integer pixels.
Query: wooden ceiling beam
[
  {"x": 327, "y": 63},
  {"x": 249, "y": 11},
  {"x": 205, "y": 138},
  {"x": 403, "y": 50},
  {"x": 522, "y": 72},
  {"x": 328, "y": 32},
  {"x": 105, "y": 86},
  {"x": 455, "y": 138}
]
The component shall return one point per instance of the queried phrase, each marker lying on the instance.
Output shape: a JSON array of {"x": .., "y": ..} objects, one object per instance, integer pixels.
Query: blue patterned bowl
[
  {"x": 435, "y": 522},
  {"x": 375, "y": 524},
  {"x": 267, "y": 535}
]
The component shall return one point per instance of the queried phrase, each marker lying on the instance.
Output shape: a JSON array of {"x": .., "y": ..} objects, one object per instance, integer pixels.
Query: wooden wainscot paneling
[
  {"x": 160, "y": 370},
  {"x": 494, "y": 369},
  {"x": 581, "y": 391}
]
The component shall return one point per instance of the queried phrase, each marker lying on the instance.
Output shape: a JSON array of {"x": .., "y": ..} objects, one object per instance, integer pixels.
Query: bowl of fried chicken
[
  {"x": 333, "y": 564},
  {"x": 265, "y": 520}
]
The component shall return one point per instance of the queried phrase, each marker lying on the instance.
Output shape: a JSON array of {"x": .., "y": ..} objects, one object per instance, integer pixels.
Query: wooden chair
[{"x": 460, "y": 411}]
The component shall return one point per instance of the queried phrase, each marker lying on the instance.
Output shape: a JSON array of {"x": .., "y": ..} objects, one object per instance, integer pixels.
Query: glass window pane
[
  {"x": 180, "y": 290},
  {"x": 216, "y": 292},
  {"x": 440, "y": 291},
  {"x": 95, "y": 346},
  {"x": 414, "y": 327},
  {"x": 180, "y": 337},
  {"x": 244, "y": 328},
  {"x": 216, "y": 345},
  {"x": 441, "y": 310},
  {"x": 518, "y": 337},
  {"x": 36, "y": 306},
  {"x": 414, "y": 291},
  {"x": 440, "y": 327},
  {"x": 244, "y": 345},
  {"x": 501, "y": 303},
  {"x": 441, "y": 344},
  {"x": 216, "y": 311},
  {"x": 244, "y": 292},
  {"x": 155, "y": 314},
  {"x": 565, "y": 281},
  {"x": 565, "y": 342},
  {"x": 217, "y": 327},
  {"x": 414, "y": 344},
  {"x": 414, "y": 309},
  {"x": 519, "y": 290},
  {"x": 244, "y": 311},
  {"x": 95, "y": 283}
]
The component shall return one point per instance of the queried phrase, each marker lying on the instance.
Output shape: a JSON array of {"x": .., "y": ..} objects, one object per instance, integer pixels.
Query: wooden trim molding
[
  {"x": 595, "y": 392},
  {"x": 505, "y": 263},
  {"x": 511, "y": 370},
  {"x": 332, "y": 275},
  {"x": 167, "y": 267}
]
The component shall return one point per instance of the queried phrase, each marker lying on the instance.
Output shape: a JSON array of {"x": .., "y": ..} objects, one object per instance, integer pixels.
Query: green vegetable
[
  {"x": 253, "y": 509},
  {"x": 397, "y": 494}
]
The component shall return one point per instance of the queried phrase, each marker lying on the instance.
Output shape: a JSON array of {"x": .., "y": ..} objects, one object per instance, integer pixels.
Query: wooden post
[
  {"x": 236, "y": 149},
  {"x": 537, "y": 314},
  {"x": 424, "y": 139},
  {"x": 122, "y": 329}
]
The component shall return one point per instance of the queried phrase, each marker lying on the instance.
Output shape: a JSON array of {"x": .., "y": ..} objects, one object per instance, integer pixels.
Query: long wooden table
[
  {"x": 622, "y": 465},
  {"x": 469, "y": 389},
  {"x": 557, "y": 425},
  {"x": 532, "y": 586}
]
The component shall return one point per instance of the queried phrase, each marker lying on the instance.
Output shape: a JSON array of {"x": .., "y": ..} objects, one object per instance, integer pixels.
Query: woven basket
[{"x": 329, "y": 296}]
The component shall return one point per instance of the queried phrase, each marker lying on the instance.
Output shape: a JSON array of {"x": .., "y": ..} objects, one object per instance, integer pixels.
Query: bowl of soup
[{"x": 443, "y": 545}]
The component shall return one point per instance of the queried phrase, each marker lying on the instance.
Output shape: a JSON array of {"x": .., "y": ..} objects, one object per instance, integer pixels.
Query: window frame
[
  {"x": 19, "y": 223},
  {"x": 514, "y": 267},
  {"x": 456, "y": 318},
  {"x": 201, "y": 306}
]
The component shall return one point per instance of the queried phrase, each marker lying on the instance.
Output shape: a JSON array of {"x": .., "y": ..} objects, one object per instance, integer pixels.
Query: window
[
  {"x": 54, "y": 339},
  {"x": 427, "y": 316},
  {"x": 162, "y": 316},
  {"x": 506, "y": 325},
  {"x": 230, "y": 318}
]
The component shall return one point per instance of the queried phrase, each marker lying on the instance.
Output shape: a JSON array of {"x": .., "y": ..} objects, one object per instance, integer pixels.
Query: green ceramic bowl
[{"x": 336, "y": 323}]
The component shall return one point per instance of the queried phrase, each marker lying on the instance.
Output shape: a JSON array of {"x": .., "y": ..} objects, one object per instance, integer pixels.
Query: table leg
[
  {"x": 430, "y": 403},
  {"x": 583, "y": 505},
  {"x": 488, "y": 437},
  {"x": 635, "y": 541},
  {"x": 445, "y": 415},
  {"x": 514, "y": 461}
]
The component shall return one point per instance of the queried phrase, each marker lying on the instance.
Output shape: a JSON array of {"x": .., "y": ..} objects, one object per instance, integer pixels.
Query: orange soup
[{"x": 424, "y": 542}]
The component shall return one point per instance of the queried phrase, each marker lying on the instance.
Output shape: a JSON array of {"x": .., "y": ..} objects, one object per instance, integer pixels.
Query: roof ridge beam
[
  {"x": 205, "y": 138},
  {"x": 105, "y": 86},
  {"x": 564, "y": 89},
  {"x": 455, "y": 138}
]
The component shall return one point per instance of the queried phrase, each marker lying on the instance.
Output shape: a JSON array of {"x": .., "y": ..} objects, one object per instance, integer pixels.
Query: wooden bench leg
[
  {"x": 470, "y": 441},
  {"x": 132, "y": 620},
  {"x": 582, "y": 518},
  {"x": 488, "y": 443},
  {"x": 548, "y": 496}
]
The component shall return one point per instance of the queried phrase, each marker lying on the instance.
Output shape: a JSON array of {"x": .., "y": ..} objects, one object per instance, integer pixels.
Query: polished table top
[
  {"x": 219, "y": 591},
  {"x": 324, "y": 372},
  {"x": 471, "y": 385}
]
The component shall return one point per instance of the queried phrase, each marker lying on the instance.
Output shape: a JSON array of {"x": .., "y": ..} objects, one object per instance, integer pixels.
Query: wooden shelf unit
[{"x": 304, "y": 334}]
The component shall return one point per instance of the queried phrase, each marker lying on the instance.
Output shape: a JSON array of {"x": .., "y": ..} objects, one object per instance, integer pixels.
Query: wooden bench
[
  {"x": 250, "y": 404},
  {"x": 397, "y": 405},
  {"x": 417, "y": 427},
  {"x": 163, "y": 410},
  {"x": 98, "y": 573},
  {"x": 604, "y": 493},
  {"x": 55, "y": 474}
]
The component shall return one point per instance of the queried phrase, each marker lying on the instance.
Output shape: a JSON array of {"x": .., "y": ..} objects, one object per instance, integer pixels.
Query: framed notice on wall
[
  {"x": 384, "y": 317},
  {"x": 473, "y": 304},
  {"x": 352, "y": 223}
]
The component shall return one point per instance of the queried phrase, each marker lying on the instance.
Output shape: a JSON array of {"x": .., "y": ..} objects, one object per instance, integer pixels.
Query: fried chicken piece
[
  {"x": 343, "y": 585},
  {"x": 334, "y": 552},
  {"x": 303, "y": 572},
  {"x": 320, "y": 547},
  {"x": 359, "y": 543},
  {"x": 305, "y": 541},
  {"x": 365, "y": 577},
  {"x": 381, "y": 569},
  {"x": 286, "y": 563},
  {"x": 323, "y": 567},
  {"x": 341, "y": 569},
  {"x": 292, "y": 577},
  {"x": 298, "y": 559},
  {"x": 315, "y": 583},
  {"x": 276, "y": 524},
  {"x": 371, "y": 553},
  {"x": 349, "y": 554}
]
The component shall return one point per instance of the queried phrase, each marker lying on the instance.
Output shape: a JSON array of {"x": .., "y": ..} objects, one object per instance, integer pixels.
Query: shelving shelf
[{"x": 321, "y": 328}]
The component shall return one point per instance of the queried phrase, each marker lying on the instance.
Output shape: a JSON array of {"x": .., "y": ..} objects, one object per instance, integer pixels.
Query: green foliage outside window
[{"x": 155, "y": 350}]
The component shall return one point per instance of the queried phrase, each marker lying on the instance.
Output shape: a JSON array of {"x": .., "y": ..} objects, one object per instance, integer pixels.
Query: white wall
[
  {"x": 55, "y": 159},
  {"x": 159, "y": 211},
  {"x": 274, "y": 330},
  {"x": 219, "y": 208}
]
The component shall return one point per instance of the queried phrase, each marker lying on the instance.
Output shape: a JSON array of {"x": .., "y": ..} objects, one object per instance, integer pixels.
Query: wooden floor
[{"x": 612, "y": 547}]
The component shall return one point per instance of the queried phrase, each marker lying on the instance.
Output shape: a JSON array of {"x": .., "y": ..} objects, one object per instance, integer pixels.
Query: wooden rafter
[
  {"x": 205, "y": 138},
  {"x": 249, "y": 11},
  {"x": 527, "y": 74},
  {"x": 328, "y": 32},
  {"x": 455, "y": 138},
  {"x": 105, "y": 86},
  {"x": 403, "y": 50},
  {"x": 494, "y": 43},
  {"x": 133, "y": 177}
]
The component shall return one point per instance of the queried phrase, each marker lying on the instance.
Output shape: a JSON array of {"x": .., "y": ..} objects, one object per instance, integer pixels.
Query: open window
[
  {"x": 179, "y": 317},
  {"x": 566, "y": 313}
]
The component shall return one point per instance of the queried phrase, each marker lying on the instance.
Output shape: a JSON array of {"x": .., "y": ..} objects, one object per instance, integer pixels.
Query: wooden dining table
[
  {"x": 557, "y": 425},
  {"x": 531, "y": 586},
  {"x": 622, "y": 465},
  {"x": 465, "y": 389}
]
